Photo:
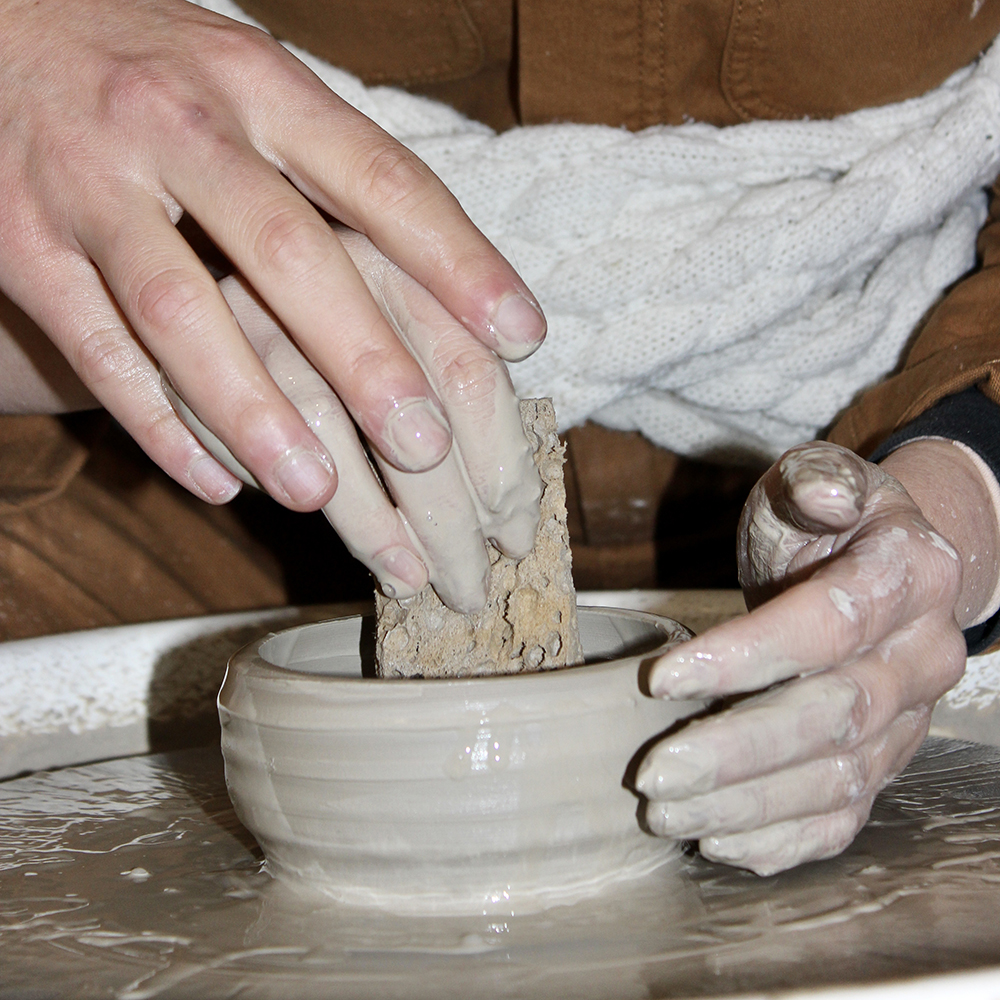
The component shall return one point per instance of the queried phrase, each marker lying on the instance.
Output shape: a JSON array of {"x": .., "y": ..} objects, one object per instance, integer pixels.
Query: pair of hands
[
  {"x": 117, "y": 117},
  {"x": 128, "y": 114}
]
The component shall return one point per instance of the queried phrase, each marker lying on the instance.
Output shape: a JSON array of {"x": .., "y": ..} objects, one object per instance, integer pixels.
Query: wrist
[{"x": 959, "y": 495}]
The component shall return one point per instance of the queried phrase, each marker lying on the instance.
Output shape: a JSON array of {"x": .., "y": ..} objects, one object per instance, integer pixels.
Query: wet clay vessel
[{"x": 501, "y": 794}]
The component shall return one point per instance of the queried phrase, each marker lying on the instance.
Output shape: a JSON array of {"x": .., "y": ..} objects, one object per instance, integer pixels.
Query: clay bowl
[{"x": 479, "y": 795}]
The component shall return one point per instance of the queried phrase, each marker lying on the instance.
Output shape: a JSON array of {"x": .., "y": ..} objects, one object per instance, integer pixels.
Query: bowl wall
[{"x": 489, "y": 794}]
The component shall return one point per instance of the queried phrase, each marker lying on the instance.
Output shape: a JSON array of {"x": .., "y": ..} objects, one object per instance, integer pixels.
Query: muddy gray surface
[{"x": 134, "y": 879}]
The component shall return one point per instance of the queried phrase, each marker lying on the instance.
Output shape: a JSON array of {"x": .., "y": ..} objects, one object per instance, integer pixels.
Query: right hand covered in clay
[
  {"x": 486, "y": 487},
  {"x": 118, "y": 116},
  {"x": 857, "y": 601}
]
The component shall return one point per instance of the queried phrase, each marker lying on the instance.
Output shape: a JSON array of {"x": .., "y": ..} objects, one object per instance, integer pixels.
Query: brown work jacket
[
  {"x": 645, "y": 62},
  {"x": 637, "y": 63},
  {"x": 87, "y": 538}
]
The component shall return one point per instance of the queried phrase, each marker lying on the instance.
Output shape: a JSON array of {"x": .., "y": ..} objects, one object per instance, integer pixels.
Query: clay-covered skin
[
  {"x": 494, "y": 454},
  {"x": 856, "y": 582}
]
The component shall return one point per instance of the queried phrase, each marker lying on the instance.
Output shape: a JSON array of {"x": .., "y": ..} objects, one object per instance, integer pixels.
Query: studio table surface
[{"x": 133, "y": 878}]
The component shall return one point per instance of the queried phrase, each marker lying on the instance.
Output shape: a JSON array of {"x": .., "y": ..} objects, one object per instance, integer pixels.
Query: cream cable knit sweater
[{"x": 723, "y": 290}]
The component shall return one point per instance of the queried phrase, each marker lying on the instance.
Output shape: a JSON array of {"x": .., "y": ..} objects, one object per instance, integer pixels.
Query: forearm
[{"x": 955, "y": 496}]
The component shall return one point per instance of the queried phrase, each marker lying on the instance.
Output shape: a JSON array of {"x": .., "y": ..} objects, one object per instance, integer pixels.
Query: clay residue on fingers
[
  {"x": 776, "y": 848},
  {"x": 529, "y": 621},
  {"x": 475, "y": 389},
  {"x": 772, "y": 730},
  {"x": 843, "y": 602},
  {"x": 771, "y": 541},
  {"x": 723, "y": 662},
  {"x": 502, "y": 472},
  {"x": 442, "y": 521},
  {"x": 823, "y": 487}
]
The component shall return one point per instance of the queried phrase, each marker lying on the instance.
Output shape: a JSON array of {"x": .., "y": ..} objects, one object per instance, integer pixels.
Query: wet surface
[{"x": 133, "y": 879}]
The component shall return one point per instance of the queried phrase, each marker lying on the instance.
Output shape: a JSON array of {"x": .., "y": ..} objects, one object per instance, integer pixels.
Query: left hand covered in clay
[{"x": 856, "y": 600}]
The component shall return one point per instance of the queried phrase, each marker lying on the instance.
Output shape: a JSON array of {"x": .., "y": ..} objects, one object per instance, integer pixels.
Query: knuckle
[
  {"x": 136, "y": 91},
  {"x": 855, "y": 623},
  {"x": 467, "y": 265},
  {"x": 393, "y": 177},
  {"x": 656, "y": 818},
  {"x": 292, "y": 242},
  {"x": 756, "y": 810},
  {"x": 371, "y": 365},
  {"x": 171, "y": 299},
  {"x": 953, "y": 652},
  {"x": 105, "y": 354},
  {"x": 840, "y": 712},
  {"x": 847, "y": 704},
  {"x": 941, "y": 564},
  {"x": 851, "y": 776},
  {"x": 838, "y": 830},
  {"x": 467, "y": 376},
  {"x": 256, "y": 432},
  {"x": 860, "y": 714},
  {"x": 317, "y": 405},
  {"x": 242, "y": 42},
  {"x": 952, "y": 577},
  {"x": 134, "y": 86},
  {"x": 162, "y": 432},
  {"x": 255, "y": 421},
  {"x": 126, "y": 83},
  {"x": 947, "y": 567}
]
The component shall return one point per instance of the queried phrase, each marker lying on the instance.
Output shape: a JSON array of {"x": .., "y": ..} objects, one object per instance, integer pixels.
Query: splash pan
[
  {"x": 133, "y": 879},
  {"x": 495, "y": 795}
]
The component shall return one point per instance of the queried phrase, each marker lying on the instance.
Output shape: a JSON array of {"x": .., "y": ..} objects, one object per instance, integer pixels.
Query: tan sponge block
[{"x": 529, "y": 622}]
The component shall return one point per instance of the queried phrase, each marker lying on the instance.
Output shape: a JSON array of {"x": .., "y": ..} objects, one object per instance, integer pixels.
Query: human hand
[
  {"x": 854, "y": 596},
  {"x": 117, "y": 116},
  {"x": 487, "y": 485}
]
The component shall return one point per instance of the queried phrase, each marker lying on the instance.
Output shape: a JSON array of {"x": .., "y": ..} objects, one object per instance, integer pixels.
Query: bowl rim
[{"x": 249, "y": 657}]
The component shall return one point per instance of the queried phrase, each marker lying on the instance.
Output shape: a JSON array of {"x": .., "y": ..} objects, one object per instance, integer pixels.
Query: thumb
[{"x": 813, "y": 493}]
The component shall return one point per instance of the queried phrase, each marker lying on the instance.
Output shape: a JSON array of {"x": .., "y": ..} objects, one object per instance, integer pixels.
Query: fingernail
[
  {"x": 675, "y": 772},
  {"x": 519, "y": 326},
  {"x": 401, "y": 574},
  {"x": 213, "y": 482},
  {"x": 690, "y": 675},
  {"x": 303, "y": 475},
  {"x": 418, "y": 434}
]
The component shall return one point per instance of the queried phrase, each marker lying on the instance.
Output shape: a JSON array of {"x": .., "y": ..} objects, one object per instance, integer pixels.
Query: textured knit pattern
[{"x": 723, "y": 290}]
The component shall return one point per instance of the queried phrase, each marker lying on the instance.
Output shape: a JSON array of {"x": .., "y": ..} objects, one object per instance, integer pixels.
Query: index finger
[
  {"x": 866, "y": 592},
  {"x": 358, "y": 173}
]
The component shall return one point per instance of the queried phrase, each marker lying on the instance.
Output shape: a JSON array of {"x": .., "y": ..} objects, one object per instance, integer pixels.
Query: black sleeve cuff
[{"x": 974, "y": 420}]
